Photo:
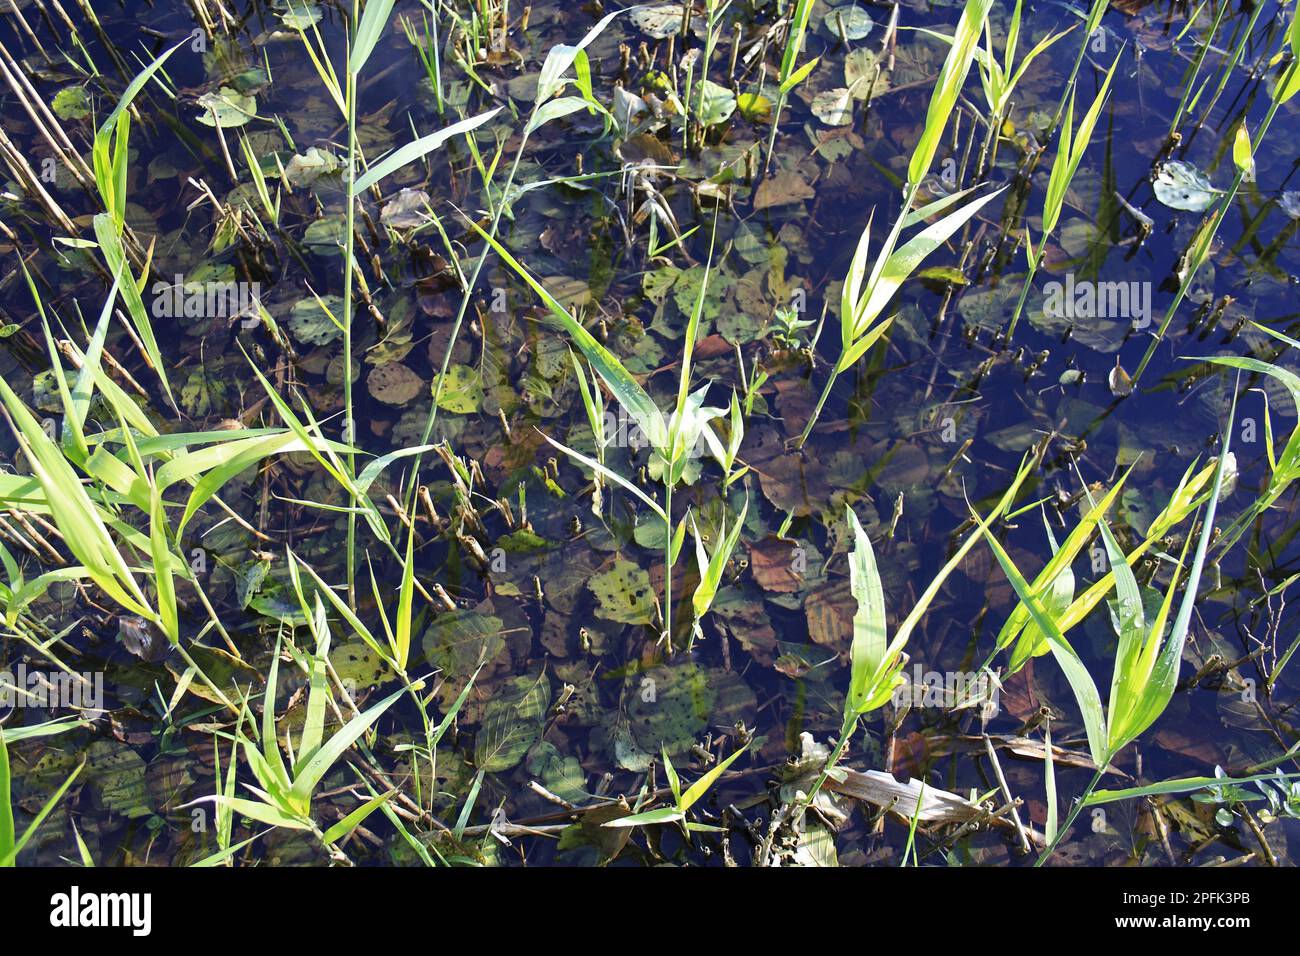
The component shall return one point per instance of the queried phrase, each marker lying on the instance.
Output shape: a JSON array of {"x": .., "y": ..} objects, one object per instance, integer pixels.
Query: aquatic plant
[
  {"x": 790, "y": 75},
  {"x": 1069, "y": 154},
  {"x": 999, "y": 78},
  {"x": 865, "y": 295},
  {"x": 178, "y": 488},
  {"x": 1146, "y": 660},
  {"x": 875, "y": 661},
  {"x": 286, "y": 782},
  {"x": 683, "y": 800},
  {"x": 11, "y": 842},
  {"x": 673, "y": 439}
]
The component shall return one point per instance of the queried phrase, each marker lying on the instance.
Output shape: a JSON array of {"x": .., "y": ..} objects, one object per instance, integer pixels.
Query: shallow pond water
[{"x": 545, "y": 606}]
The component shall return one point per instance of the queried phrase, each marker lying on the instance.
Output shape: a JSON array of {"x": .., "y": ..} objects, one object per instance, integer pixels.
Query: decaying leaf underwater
[{"x": 367, "y": 367}]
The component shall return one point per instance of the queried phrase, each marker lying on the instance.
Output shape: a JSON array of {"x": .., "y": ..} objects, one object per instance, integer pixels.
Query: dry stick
[
  {"x": 1195, "y": 73},
  {"x": 17, "y": 538},
  {"x": 63, "y": 15},
  {"x": 46, "y": 123},
  {"x": 13, "y": 8},
  {"x": 48, "y": 528},
  {"x": 69, "y": 352},
  {"x": 30, "y": 182},
  {"x": 1006, "y": 792},
  {"x": 89, "y": 13},
  {"x": 36, "y": 536},
  {"x": 205, "y": 19}
]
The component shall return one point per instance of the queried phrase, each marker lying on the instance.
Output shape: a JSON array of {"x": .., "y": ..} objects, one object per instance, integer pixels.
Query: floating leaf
[
  {"x": 71, "y": 103},
  {"x": 1119, "y": 381},
  {"x": 305, "y": 168},
  {"x": 668, "y": 707},
  {"x": 300, "y": 15},
  {"x": 407, "y": 210},
  {"x": 782, "y": 189},
  {"x": 716, "y": 103},
  {"x": 754, "y": 107},
  {"x": 1181, "y": 185},
  {"x": 847, "y": 22},
  {"x": 561, "y": 775},
  {"x": 325, "y": 236},
  {"x": 659, "y": 22},
  {"x": 459, "y": 641},
  {"x": 860, "y": 66},
  {"x": 226, "y": 108},
  {"x": 311, "y": 324},
  {"x": 357, "y": 663},
  {"x": 834, "y": 107}
]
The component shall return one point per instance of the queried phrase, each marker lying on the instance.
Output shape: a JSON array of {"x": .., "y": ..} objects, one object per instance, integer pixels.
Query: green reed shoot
[
  {"x": 1146, "y": 662},
  {"x": 548, "y": 104},
  {"x": 791, "y": 76},
  {"x": 287, "y": 782},
  {"x": 683, "y": 800},
  {"x": 999, "y": 79},
  {"x": 864, "y": 297},
  {"x": 862, "y": 304},
  {"x": 1202, "y": 50},
  {"x": 143, "y": 470},
  {"x": 109, "y": 157},
  {"x": 1188, "y": 495},
  {"x": 711, "y": 566},
  {"x": 1091, "y": 23},
  {"x": 875, "y": 662},
  {"x": 369, "y": 27},
  {"x": 1068, "y": 156},
  {"x": 672, "y": 439}
]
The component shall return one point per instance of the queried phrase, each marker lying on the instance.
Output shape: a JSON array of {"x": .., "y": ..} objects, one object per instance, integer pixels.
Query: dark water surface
[{"x": 892, "y": 440}]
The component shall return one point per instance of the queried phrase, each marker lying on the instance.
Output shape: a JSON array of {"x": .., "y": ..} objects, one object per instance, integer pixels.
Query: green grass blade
[
  {"x": 626, "y": 389},
  {"x": 374, "y": 19},
  {"x": 948, "y": 87},
  {"x": 421, "y": 147},
  {"x": 870, "y": 639},
  {"x": 6, "y": 800},
  {"x": 1081, "y": 682},
  {"x": 356, "y": 817},
  {"x": 700, "y": 787},
  {"x": 337, "y": 745}
]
